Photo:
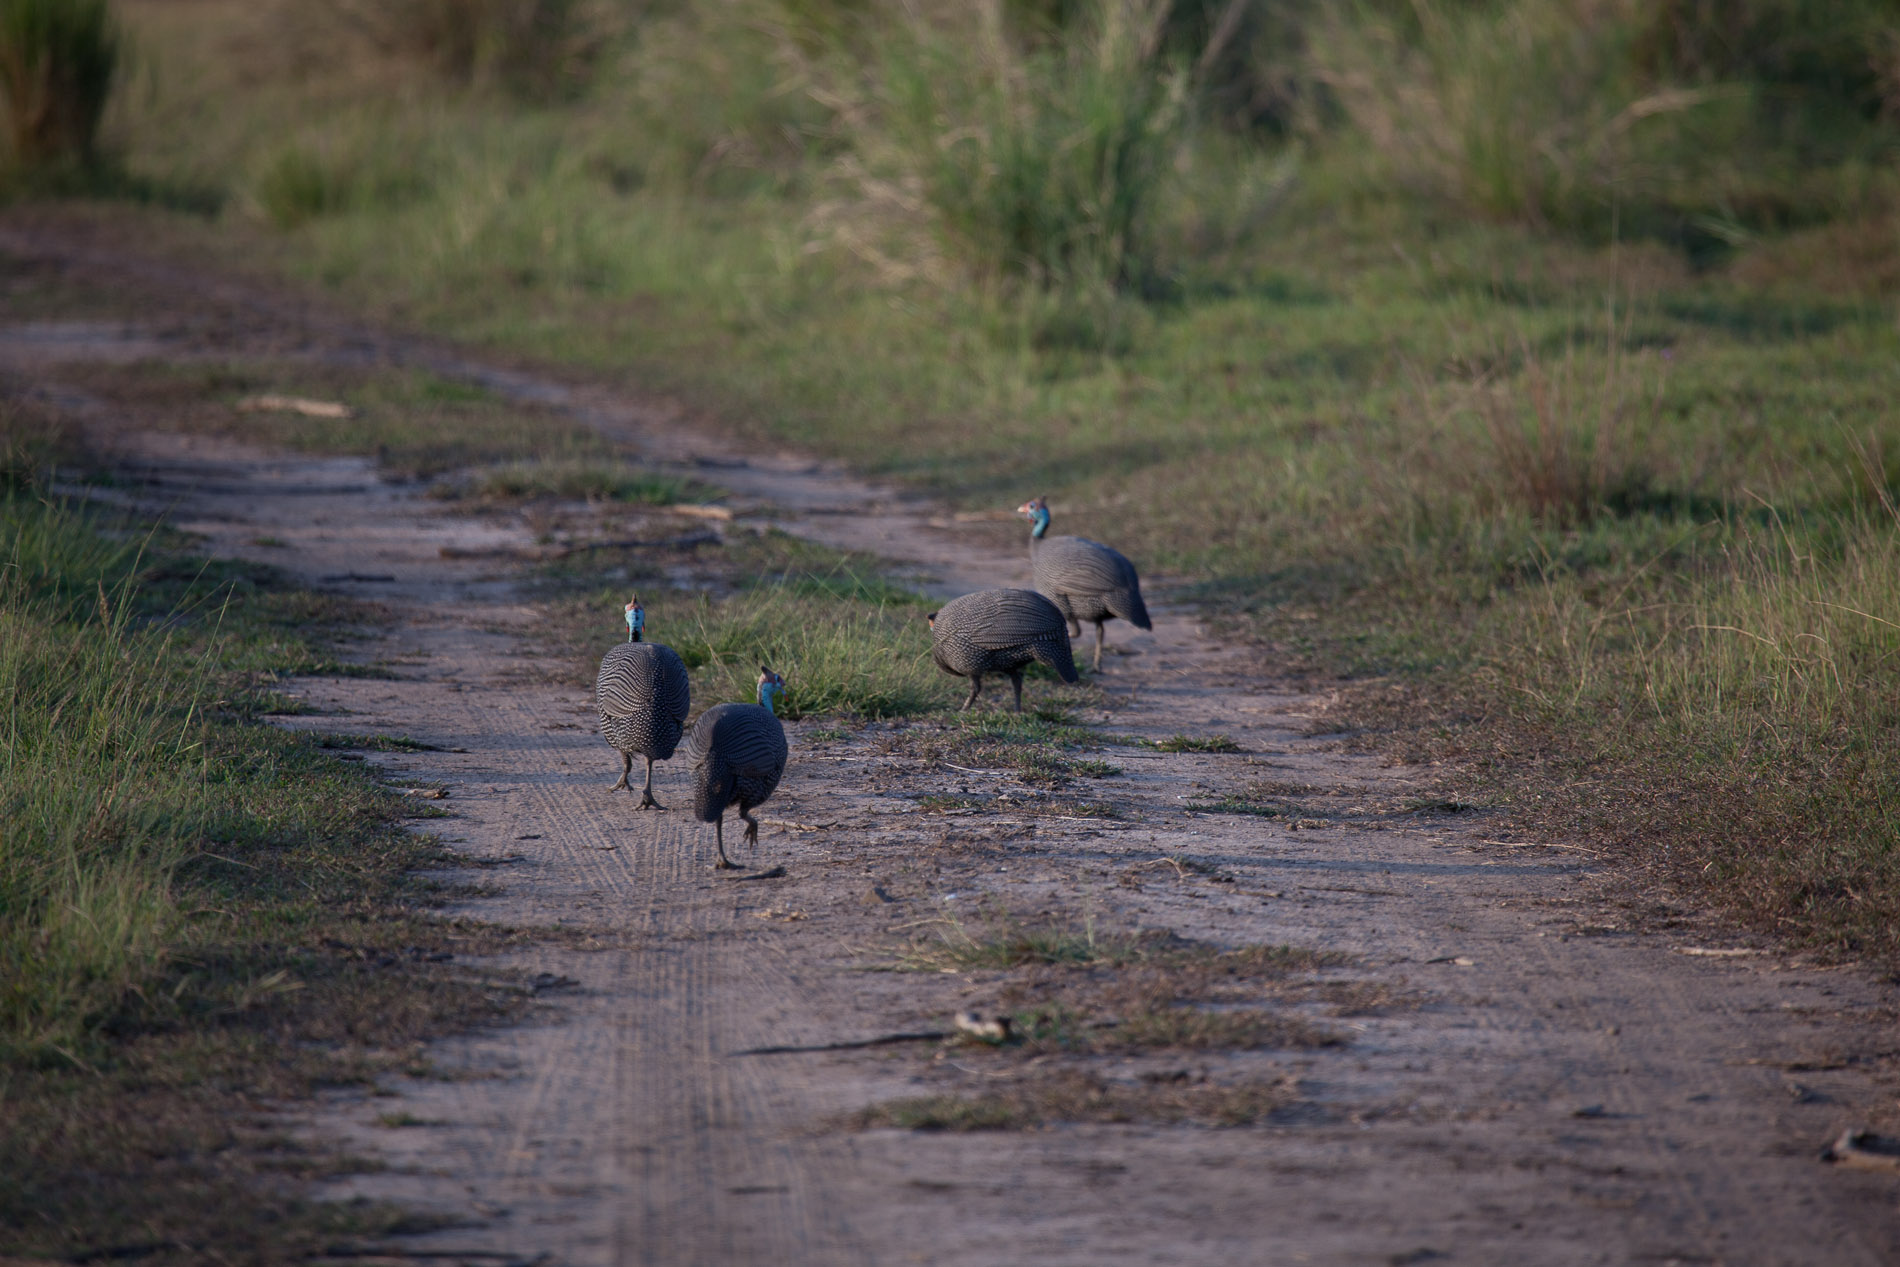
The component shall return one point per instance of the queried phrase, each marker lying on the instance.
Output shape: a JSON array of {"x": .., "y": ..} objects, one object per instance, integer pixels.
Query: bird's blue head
[
  {"x": 1036, "y": 510},
  {"x": 771, "y": 686},
  {"x": 636, "y": 619}
]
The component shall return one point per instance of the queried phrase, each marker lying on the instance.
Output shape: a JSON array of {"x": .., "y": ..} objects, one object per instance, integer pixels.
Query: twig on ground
[{"x": 882, "y": 1040}]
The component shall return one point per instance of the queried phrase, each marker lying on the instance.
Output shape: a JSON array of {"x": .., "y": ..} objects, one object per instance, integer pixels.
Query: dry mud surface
[{"x": 1539, "y": 1065}]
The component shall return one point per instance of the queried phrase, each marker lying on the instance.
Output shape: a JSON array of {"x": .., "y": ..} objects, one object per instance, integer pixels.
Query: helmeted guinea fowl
[
  {"x": 739, "y": 753},
  {"x": 999, "y": 631},
  {"x": 1085, "y": 579},
  {"x": 643, "y": 696}
]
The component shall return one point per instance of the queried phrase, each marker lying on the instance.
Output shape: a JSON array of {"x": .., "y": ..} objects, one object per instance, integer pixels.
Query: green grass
[
  {"x": 1240, "y": 805},
  {"x": 1035, "y": 750},
  {"x": 580, "y": 481},
  {"x": 198, "y": 912},
  {"x": 863, "y": 659},
  {"x": 1196, "y": 743},
  {"x": 848, "y": 642},
  {"x": 375, "y": 743},
  {"x": 1012, "y": 943},
  {"x": 1654, "y": 120},
  {"x": 1076, "y": 993},
  {"x": 1039, "y": 163}
]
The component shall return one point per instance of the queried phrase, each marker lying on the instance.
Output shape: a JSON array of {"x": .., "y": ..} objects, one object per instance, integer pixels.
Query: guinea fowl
[
  {"x": 643, "y": 697},
  {"x": 999, "y": 631},
  {"x": 1086, "y": 580},
  {"x": 739, "y": 750}
]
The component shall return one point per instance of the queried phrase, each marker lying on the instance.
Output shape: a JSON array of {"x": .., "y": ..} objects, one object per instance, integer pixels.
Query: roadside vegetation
[
  {"x": 200, "y": 914},
  {"x": 1093, "y": 1021},
  {"x": 849, "y": 642},
  {"x": 1539, "y": 354}
]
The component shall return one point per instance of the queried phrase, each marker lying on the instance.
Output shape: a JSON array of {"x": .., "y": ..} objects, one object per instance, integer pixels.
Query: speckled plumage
[
  {"x": 643, "y": 696},
  {"x": 1086, "y": 580},
  {"x": 1000, "y": 631},
  {"x": 739, "y": 755}
]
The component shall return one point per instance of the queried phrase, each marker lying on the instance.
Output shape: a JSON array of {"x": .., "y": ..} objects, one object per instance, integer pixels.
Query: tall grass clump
[
  {"x": 1745, "y": 709},
  {"x": 871, "y": 659},
  {"x": 1695, "y": 122},
  {"x": 580, "y": 480},
  {"x": 536, "y": 49},
  {"x": 1038, "y": 163},
  {"x": 98, "y": 786},
  {"x": 1555, "y": 443},
  {"x": 729, "y": 99},
  {"x": 59, "y": 60},
  {"x": 308, "y": 180}
]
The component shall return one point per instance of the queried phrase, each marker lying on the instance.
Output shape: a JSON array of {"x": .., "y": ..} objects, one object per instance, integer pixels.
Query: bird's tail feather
[
  {"x": 1056, "y": 656},
  {"x": 1129, "y": 607}
]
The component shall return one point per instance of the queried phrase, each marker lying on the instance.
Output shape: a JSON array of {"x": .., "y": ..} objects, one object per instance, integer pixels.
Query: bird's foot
[
  {"x": 647, "y": 802},
  {"x": 726, "y": 864},
  {"x": 615, "y": 787}
]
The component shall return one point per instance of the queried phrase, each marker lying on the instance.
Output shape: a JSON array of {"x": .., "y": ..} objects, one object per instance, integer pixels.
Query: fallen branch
[
  {"x": 1863, "y": 1150},
  {"x": 295, "y": 405},
  {"x": 882, "y": 1040}
]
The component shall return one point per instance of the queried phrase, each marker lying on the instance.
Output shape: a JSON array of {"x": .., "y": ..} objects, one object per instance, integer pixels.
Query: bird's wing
[{"x": 1080, "y": 566}]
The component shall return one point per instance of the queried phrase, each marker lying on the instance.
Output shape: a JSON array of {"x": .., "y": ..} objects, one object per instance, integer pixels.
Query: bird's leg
[
  {"x": 719, "y": 842},
  {"x": 626, "y": 759},
  {"x": 1098, "y": 644},
  {"x": 751, "y": 828},
  {"x": 1075, "y": 627},
  {"x": 1016, "y": 680},
  {"x": 646, "y": 794},
  {"x": 976, "y": 688}
]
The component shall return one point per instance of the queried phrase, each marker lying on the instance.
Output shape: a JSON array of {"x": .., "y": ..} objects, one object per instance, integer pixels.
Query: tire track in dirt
[{"x": 679, "y": 1134}]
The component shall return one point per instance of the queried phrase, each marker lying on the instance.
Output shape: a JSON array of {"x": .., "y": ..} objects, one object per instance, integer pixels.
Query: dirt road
[{"x": 1532, "y": 1062}]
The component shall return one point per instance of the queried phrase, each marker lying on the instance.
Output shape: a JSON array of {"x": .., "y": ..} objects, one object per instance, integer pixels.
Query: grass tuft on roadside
[
  {"x": 849, "y": 641},
  {"x": 868, "y": 659},
  {"x": 1006, "y": 942},
  {"x": 1196, "y": 743},
  {"x": 1074, "y": 993},
  {"x": 578, "y": 481},
  {"x": 198, "y": 912}
]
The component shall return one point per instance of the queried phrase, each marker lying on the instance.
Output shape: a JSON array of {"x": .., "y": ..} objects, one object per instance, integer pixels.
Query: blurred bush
[
  {"x": 1103, "y": 149},
  {"x": 1702, "y": 121},
  {"x": 370, "y": 165},
  {"x": 533, "y": 49},
  {"x": 1038, "y": 160},
  {"x": 58, "y": 61},
  {"x": 728, "y": 98}
]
